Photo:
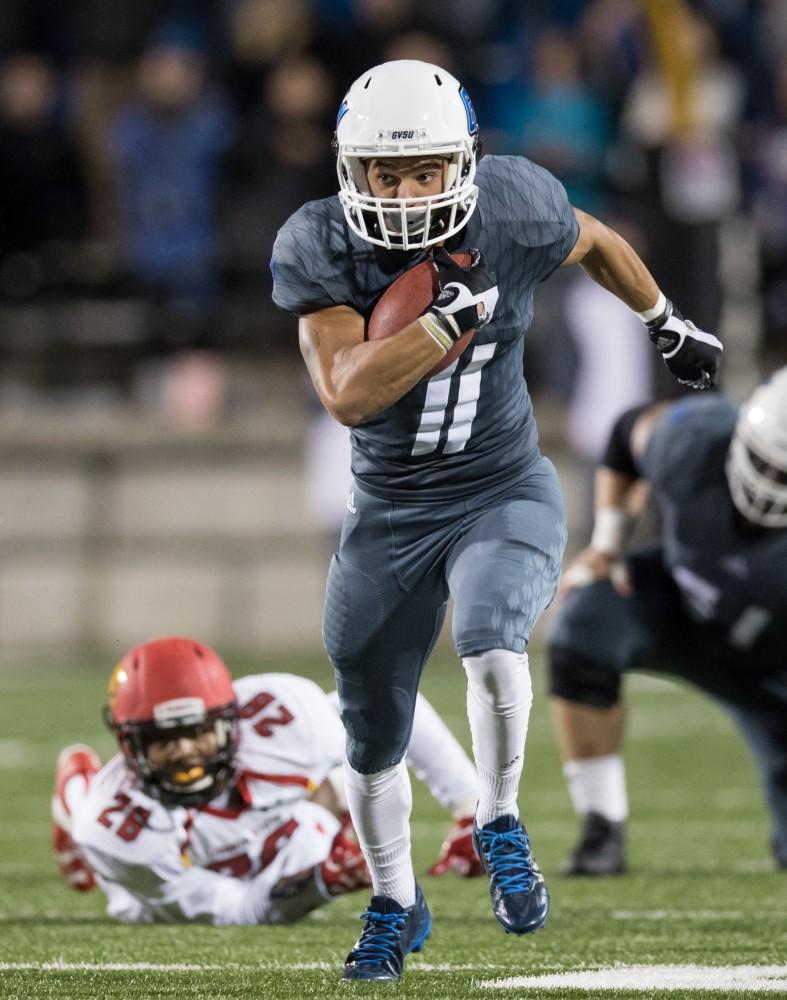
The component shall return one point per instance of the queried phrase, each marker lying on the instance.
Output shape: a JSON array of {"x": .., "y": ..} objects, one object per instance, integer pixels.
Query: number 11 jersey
[{"x": 471, "y": 426}]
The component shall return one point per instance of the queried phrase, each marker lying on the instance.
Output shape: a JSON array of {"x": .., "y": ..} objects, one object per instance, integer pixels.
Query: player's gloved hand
[
  {"x": 81, "y": 763},
  {"x": 457, "y": 853},
  {"x": 692, "y": 355},
  {"x": 70, "y": 863},
  {"x": 345, "y": 869},
  {"x": 466, "y": 299}
]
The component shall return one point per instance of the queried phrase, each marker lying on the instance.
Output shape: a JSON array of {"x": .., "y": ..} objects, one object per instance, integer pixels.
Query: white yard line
[
  {"x": 17, "y": 754},
  {"x": 110, "y": 967},
  {"x": 748, "y": 979},
  {"x": 9, "y": 916},
  {"x": 20, "y": 868},
  {"x": 60, "y": 966},
  {"x": 680, "y": 914},
  {"x": 67, "y": 916}
]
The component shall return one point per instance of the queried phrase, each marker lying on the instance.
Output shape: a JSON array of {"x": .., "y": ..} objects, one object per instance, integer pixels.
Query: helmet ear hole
[
  {"x": 106, "y": 715},
  {"x": 478, "y": 147}
]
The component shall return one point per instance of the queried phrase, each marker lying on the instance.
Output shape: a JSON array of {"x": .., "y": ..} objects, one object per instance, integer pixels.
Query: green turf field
[{"x": 701, "y": 891}]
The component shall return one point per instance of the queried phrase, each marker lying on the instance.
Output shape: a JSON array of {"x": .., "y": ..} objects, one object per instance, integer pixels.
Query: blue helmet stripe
[{"x": 472, "y": 121}]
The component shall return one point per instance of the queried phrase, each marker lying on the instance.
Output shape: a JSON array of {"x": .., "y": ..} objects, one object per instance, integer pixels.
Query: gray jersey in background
[{"x": 728, "y": 578}]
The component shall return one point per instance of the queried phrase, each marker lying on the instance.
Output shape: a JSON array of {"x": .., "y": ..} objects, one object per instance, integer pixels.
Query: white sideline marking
[
  {"x": 677, "y": 914},
  {"x": 15, "y": 753},
  {"x": 11, "y": 916},
  {"x": 60, "y": 966},
  {"x": 730, "y": 978},
  {"x": 110, "y": 967}
]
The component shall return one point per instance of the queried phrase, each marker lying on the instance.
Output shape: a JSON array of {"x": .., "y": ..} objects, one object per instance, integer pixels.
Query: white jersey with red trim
[
  {"x": 218, "y": 863},
  {"x": 291, "y": 738}
]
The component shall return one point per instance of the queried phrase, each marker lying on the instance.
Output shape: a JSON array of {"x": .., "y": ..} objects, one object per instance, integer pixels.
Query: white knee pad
[{"x": 499, "y": 680}]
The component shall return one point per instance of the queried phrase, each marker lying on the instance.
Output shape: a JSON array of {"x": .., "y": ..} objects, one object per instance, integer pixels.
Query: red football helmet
[{"x": 169, "y": 688}]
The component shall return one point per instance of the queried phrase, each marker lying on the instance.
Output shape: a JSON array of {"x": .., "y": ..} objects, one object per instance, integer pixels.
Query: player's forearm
[
  {"x": 619, "y": 500},
  {"x": 187, "y": 895},
  {"x": 367, "y": 378},
  {"x": 616, "y": 266},
  {"x": 614, "y": 490}
]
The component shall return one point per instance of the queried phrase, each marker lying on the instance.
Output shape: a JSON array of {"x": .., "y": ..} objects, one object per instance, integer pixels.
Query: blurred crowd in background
[{"x": 150, "y": 149}]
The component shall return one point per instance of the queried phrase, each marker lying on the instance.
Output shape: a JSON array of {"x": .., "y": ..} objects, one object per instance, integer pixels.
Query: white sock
[
  {"x": 380, "y": 807},
  {"x": 499, "y": 696},
  {"x": 598, "y": 784}
]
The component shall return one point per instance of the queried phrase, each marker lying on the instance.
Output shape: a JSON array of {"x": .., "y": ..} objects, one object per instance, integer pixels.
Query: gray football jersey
[
  {"x": 471, "y": 426},
  {"x": 735, "y": 579}
]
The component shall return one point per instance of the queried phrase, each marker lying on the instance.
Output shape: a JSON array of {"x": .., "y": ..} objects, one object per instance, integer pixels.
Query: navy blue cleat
[
  {"x": 520, "y": 901},
  {"x": 389, "y": 933}
]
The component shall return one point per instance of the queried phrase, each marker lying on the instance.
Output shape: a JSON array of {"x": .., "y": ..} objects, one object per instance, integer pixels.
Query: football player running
[
  {"x": 226, "y": 803},
  {"x": 708, "y": 603},
  {"x": 451, "y": 495}
]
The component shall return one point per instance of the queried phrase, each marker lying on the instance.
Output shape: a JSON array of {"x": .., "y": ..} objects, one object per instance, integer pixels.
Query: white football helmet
[
  {"x": 757, "y": 459},
  {"x": 406, "y": 108}
]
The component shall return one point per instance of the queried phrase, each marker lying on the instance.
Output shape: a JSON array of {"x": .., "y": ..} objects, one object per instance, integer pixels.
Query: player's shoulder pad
[
  {"x": 688, "y": 440},
  {"x": 277, "y": 684},
  {"x": 303, "y": 254},
  {"x": 516, "y": 191}
]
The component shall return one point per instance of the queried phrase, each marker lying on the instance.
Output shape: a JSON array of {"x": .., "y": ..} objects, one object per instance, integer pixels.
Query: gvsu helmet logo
[{"x": 403, "y": 134}]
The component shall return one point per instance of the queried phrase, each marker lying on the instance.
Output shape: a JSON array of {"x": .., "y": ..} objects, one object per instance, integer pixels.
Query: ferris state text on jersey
[{"x": 471, "y": 426}]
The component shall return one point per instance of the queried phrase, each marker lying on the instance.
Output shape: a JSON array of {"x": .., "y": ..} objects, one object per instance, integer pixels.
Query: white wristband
[
  {"x": 655, "y": 311},
  {"x": 436, "y": 332},
  {"x": 611, "y": 531},
  {"x": 578, "y": 575}
]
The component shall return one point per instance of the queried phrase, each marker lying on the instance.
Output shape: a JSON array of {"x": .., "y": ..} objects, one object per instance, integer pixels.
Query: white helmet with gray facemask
[
  {"x": 757, "y": 459},
  {"x": 402, "y": 109}
]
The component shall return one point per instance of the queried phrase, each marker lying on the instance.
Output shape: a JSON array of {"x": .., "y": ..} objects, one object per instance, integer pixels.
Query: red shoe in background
[{"x": 457, "y": 853}]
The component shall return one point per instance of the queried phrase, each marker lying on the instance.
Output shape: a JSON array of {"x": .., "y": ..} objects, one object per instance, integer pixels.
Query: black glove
[
  {"x": 466, "y": 299},
  {"x": 692, "y": 355}
]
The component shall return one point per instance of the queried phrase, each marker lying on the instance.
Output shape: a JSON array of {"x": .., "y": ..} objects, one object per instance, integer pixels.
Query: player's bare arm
[
  {"x": 613, "y": 263},
  {"x": 692, "y": 355},
  {"x": 355, "y": 378},
  {"x": 620, "y": 494}
]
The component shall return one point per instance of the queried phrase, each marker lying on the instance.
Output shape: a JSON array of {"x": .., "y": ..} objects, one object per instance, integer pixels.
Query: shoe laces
[
  {"x": 509, "y": 858},
  {"x": 380, "y": 938}
]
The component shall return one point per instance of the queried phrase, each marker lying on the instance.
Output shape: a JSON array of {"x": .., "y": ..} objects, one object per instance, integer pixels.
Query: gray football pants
[{"x": 498, "y": 554}]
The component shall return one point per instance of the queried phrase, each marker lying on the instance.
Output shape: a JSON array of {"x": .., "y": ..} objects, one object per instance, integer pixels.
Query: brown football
[{"x": 406, "y": 299}]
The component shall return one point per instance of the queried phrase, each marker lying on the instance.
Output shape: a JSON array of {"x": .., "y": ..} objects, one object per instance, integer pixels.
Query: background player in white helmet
[
  {"x": 226, "y": 803},
  {"x": 707, "y": 603},
  {"x": 451, "y": 495}
]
